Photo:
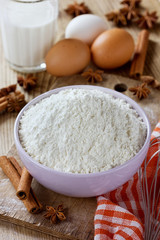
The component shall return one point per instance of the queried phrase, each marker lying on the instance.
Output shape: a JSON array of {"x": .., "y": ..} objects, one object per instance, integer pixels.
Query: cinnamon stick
[
  {"x": 24, "y": 186},
  {"x": 3, "y": 99},
  {"x": 138, "y": 61},
  {"x": 3, "y": 103},
  {"x": 13, "y": 171},
  {"x": 3, "y": 106},
  {"x": 5, "y": 91},
  {"x": 16, "y": 165}
]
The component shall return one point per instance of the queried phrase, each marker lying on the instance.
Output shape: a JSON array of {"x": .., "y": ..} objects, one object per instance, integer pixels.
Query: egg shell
[
  {"x": 112, "y": 48},
  {"x": 85, "y": 27},
  {"x": 67, "y": 57}
]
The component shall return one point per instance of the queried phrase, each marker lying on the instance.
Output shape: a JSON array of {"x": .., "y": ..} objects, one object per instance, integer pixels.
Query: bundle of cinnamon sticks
[
  {"x": 11, "y": 100},
  {"x": 21, "y": 180}
]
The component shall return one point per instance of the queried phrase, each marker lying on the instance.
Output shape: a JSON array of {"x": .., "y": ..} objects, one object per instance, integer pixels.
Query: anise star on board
[
  {"x": 117, "y": 17},
  {"x": 16, "y": 101},
  {"x": 55, "y": 214},
  {"x": 147, "y": 20},
  {"x": 77, "y": 9},
  {"x": 27, "y": 82},
  {"x": 140, "y": 91},
  {"x": 134, "y": 3},
  {"x": 92, "y": 76}
]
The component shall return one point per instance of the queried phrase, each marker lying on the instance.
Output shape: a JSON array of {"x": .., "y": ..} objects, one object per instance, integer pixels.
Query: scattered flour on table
[{"x": 81, "y": 131}]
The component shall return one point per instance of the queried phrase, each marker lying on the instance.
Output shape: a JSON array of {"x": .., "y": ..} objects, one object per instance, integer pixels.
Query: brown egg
[
  {"x": 67, "y": 57},
  {"x": 112, "y": 48}
]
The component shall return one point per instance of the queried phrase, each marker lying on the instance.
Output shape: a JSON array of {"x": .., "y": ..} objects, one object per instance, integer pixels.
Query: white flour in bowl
[{"x": 81, "y": 131}]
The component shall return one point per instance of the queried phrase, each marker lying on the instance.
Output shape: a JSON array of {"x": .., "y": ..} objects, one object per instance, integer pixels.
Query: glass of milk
[{"x": 28, "y": 30}]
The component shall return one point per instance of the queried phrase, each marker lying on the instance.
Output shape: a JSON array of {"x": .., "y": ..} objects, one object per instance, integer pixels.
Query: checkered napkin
[{"x": 119, "y": 214}]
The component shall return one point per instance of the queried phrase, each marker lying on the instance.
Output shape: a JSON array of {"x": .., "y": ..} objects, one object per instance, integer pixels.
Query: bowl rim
[{"x": 89, "y": 87}]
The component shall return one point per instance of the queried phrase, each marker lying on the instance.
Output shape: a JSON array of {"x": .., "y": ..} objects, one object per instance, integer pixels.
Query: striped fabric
[{"x": 119, "y": 214}]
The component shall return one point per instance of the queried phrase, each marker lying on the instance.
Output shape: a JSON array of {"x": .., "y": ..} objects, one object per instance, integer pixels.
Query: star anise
[
  {"x": 134, "y": 3},
  {"x": 117, "y": 17},
  {"x": 151, "y": 81},
  {"x": 140, "y": 91},
  {"x": 27, "y": 82},
  {"x": 77, "y": 9},
  {"x": 16, "y": 101},
  {"x": 92, "y": 76},
  {"x": 55, "y": 214},
  {"x": 147, "y": 20},
  {"x": 5, "y": 91},
  {"x": 130, "y": 12}
]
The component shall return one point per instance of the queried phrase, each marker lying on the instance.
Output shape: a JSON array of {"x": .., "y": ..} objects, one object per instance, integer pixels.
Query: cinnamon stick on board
[
  {"x": 138, "y": 61},
  {"x": 24, "y": 186},
  {"x": 13, "y": 171}
]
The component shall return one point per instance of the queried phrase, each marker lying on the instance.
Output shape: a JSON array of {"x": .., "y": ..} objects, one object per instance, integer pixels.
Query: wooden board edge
[{"x": 36, "y": 228}]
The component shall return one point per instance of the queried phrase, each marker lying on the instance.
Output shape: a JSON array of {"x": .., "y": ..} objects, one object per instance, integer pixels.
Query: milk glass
[{"x": 28, "y": 30}]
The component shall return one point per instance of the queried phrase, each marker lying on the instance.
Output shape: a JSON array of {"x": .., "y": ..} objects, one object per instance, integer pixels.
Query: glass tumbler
[{"x": 28, "y": 30}]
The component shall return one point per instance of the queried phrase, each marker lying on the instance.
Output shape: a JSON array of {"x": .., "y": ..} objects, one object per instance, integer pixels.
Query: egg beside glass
[{"x": 67, "y": 57}]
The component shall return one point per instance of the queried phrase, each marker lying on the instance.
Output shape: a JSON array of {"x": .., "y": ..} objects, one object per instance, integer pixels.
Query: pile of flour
[{"x": 81, "y": 131}]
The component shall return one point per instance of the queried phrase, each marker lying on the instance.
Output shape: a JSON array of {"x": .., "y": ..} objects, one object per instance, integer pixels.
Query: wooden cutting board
[{"x": 79, "y": 211}]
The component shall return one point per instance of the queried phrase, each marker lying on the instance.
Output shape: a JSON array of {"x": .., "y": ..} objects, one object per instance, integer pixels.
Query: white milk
[{"x": 28, "y": 32}]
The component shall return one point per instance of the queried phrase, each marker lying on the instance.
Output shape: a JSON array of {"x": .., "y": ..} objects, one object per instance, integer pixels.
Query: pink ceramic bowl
[{"x": 83, "y": 185}]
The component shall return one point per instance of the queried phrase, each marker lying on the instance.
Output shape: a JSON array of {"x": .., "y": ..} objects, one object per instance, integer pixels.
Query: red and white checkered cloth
[{"x": 119, "y": 214}]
